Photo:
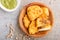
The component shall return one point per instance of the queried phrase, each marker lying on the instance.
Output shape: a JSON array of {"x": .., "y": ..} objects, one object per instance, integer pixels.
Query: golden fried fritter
[
  {"x": 47, "y": 26},
  {"x": 26, "y": 21},
  {"x": 34, "y": 12},
  {"x": 45, "y": 14},
  {"x": 32, "y": 29},
  {"x": 39, "y": 22},
  {"x": 45, "y": 11}
]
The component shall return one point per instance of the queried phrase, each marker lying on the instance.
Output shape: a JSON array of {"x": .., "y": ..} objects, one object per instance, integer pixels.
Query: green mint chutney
[{"x": 9, "y": 4}]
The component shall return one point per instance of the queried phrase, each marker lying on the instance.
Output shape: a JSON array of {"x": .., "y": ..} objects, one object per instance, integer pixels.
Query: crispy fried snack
[
  {"x": 26, "y": 21},
  {"x": 45, "y": 14},
  {"x": 47, "y": 26},
  {"x": 39, "y": 22},
  {"x": 34, "y": 12},
  {"x": 45, "y": 11},
  {"x": 32, "y": 29}
]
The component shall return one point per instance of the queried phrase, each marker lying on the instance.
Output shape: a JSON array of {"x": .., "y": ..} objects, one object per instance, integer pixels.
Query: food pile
[{"x": 36, "y": 18}]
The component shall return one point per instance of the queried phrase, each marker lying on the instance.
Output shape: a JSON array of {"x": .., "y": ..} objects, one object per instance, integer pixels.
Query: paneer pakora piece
[
  {"x": 39, "y": 22},
  {"x": 26, "y": 21},
  {"x": 34, "y": 11},
  {"x": 45, "y": 28},
  {"x": 45, "y": 11},
  {"x": 48, "y": 26},
  {"x": 45, "y": 14},
  {"x": 32, "y": 29}
]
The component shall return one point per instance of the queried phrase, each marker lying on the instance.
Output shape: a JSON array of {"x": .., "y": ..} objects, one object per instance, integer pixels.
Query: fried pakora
[
  {"x": 26, "y": 21},
  {"x": 32, "y": 29},
  {"x": 45, "y": 11},
  {"x": 39, "y": 22},
  {"x": 34, "y": 11}
]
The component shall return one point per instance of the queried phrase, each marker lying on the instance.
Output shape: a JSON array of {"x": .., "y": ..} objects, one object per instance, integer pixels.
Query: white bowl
[{"x": 10, "y": 10}]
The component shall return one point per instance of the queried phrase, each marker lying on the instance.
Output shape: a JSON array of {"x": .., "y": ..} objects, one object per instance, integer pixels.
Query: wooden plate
[{"x": 23, "y": 12}]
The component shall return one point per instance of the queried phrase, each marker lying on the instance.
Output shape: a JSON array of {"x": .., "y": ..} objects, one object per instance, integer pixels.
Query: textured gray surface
[{"x": 7, "y": 18}]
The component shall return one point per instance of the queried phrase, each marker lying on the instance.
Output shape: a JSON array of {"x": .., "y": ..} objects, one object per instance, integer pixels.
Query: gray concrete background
[{"x": 7, "y": 18}]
